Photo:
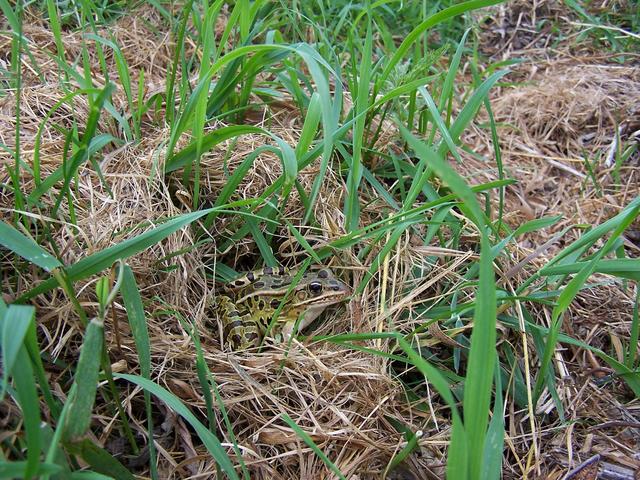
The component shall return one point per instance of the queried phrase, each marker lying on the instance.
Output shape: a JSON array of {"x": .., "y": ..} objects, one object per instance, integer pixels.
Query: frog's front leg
[
  {"x": 303, "y": 318},
  {"x": 240, "y": 332}
]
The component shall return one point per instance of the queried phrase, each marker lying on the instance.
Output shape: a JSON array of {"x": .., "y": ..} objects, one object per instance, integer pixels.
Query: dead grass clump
[
  {"x": 341, "y": 398},
  {"x": 568, "y": 111}
]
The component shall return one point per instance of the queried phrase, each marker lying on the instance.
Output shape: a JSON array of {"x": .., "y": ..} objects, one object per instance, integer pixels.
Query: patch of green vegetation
[{"x": 612, "y": 27}]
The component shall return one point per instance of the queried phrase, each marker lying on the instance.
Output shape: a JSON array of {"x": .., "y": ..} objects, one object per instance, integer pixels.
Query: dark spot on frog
[
  {"x": 268, "y": 270},
  {"x": 259, "y": 284},
  {"x": 251, "y": 277},
  {"x": 282, "y": 270},
  {"x": 323, "y": 274},
  {"x": 275, "y": 303},
  {"x": 336, "y": 288},
  {"x": 239, "y": 282},
  {"x": 236, "y": 341},
  {"x": 252, "y": 336},
  {"x": 231, "y": 327}
]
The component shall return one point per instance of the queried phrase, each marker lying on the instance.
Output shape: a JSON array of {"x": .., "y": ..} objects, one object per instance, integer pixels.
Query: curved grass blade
[
  {"x": 210, "y": 140},
  {"x": 482, "y": 355},
  {"x": 433, "y": 20},
  {"x": 173, "y": 402},
  {"x": 27, "y": 248},
  {"x": 99, "y": 261},
  {"x": 309, "y": 441}
]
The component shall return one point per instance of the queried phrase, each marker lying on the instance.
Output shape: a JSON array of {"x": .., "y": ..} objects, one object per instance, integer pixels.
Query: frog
[{"x": 250, "y": 302}]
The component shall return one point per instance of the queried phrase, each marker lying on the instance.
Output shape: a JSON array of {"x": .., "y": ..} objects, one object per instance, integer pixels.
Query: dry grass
[{"x": 568, "y": 107}]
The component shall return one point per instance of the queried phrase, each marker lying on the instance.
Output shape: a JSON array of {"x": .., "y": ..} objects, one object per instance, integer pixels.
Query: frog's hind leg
[{"x": 240, "y": 331}]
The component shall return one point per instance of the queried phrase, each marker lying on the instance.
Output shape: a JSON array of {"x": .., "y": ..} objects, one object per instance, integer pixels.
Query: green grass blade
[
  {"x": 137, "y": 320},
  {"x": 210, "y": 140},
  {"x": 632, "y": 352},
  {"x": 310, "y": 126},
  {"x": 88, "y": 476},
  {"x": 447, "y": 86},
  {"x": 470, "y": 108},
  {"x": 99, "y": 261},
  {"x": 595, "y": 234},
  {"x": 19, "y": 469},
  {"x": 83, "y": 152},
  {"x": 482, "y": 355},
  {"x": 435, "y": 115},
  {"x": 10, "y": 16},
  {"x": 15, "y": 321},
  {"x": 86, "y": 381},
  {"x": 26, "y": 247},
  {"x": 329, "y": 123},
  {"x": 100, "y": 460},
  {"x": 27, "y": 396},
  {"x": 447, "y": 174},
  {"x": 628, "y": 375},
  {"x": 628, "y": 268},
  {"x": 309, "y": 441},
  {"x": 97, "y": 143},
  {"x": 208, "y": 384},
  {"x": 209, "y": 439},
  {"x": 352, "y": 198},
  {"x": 494, "y": 445}
]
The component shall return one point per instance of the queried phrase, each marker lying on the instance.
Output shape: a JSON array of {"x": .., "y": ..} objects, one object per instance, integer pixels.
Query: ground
[{"x": 567, "y": 117}]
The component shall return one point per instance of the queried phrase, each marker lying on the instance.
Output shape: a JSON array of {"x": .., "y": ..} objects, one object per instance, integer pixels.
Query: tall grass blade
[
  {"x": 26, "y": 391},
  {"x": 137, "y": 321},
  {"x": 14, "y": 322},
  {"x": 482, "y": 355},
  {"x": 352, "y": 199}
]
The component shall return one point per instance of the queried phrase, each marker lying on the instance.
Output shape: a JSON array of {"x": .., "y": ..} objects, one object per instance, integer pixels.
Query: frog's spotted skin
[{"x": 251, "y": 301}]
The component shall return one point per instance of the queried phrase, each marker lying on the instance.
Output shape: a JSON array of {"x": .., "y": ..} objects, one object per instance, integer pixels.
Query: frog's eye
[{"x": 315, "y": 287}]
